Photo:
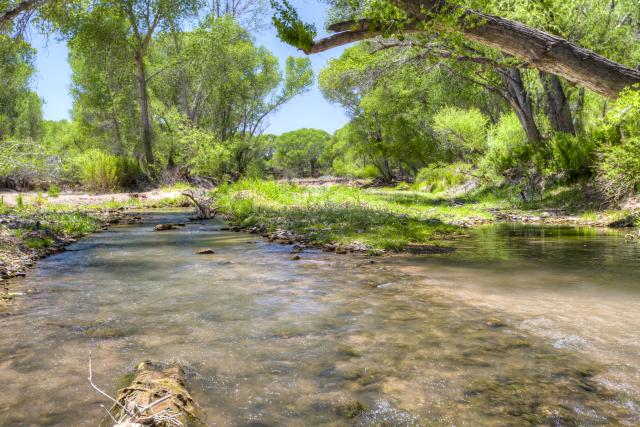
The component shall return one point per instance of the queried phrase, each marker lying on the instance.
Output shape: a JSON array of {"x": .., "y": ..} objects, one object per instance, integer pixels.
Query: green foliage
[
  {"x": 330, "y": 215},
  {"x": 440, "y": 177},
  {"x": 53, "y": 191},
  {"x": 299, "y": 153},
  {"x": 462, "y": 131},
  {"x": 103, "y": 172},
  {"x": 619, "y": 168},
  {"x": 20, "y": 107},
  {"x": 573, "y": 155},
  {"x": 290, "y": 27},
  {"x": 20, "y": 202},
  {"x": 507, "y": 146},
  {"x": 210, "y": 157},
  {"x": 618, "y": 171}
]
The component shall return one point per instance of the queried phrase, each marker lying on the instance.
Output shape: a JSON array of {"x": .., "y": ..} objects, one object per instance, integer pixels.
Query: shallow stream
[{"x": 521, "y": 326}]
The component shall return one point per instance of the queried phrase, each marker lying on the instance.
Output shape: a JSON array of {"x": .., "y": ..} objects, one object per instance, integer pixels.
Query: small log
[{"x": 157, "y": 397}]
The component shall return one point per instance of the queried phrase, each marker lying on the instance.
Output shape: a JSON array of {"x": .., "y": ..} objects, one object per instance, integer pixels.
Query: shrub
[
  {"x": 507, "y": 146},
  {"x": 618, "y": 173},
  {"x": 53, "y": 191},
  {"x": 619, "y": 169},
  {"x": 440, "y": 177},
  {"x": 572, "y": 155},
  {"x": 211, "y": 160},
  {"x": 462, "y": 131},
  {"x": 103, "y": 172}
]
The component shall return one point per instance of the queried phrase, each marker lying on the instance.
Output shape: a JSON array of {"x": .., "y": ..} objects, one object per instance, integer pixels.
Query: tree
[
  {"x": 300, "y": 151},
  {"x": 142, "y": 20},
  {"x": 20, "y": 107}
]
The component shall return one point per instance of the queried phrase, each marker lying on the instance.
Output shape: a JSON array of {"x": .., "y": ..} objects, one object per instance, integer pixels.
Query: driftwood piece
[
  {"x": 204, "y": 205},
  {"x": 157, "y": 397}
]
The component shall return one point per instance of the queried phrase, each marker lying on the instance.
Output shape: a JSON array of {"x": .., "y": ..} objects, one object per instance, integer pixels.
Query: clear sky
[{"x": 309, "y": 110}]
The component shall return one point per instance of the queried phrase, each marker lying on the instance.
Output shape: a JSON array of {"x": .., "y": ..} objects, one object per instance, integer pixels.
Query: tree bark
[
  {"x": 541, "y": 50},
  {"x": 24, "y": 6},
  {"x": 145, "y": 121},
  {"x": 557, "y": 105},
  {"x": 520, "y": 100}
]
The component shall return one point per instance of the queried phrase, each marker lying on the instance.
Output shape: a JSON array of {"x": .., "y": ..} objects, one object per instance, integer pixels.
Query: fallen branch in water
[{"x": 204, "y": 205}]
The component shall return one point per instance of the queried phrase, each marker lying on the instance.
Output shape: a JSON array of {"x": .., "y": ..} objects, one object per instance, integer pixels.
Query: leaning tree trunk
[
  {"x": 541, "y": 50},
  {"x": 520, "y": 100},
  {"x": 557, "y": 104}
]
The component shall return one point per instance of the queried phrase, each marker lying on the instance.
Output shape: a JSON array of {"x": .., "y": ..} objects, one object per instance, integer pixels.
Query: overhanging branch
[{"x": 541, "y": 50}]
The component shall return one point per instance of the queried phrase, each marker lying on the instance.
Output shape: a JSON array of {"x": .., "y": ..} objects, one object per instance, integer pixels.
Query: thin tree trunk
[
  {"x": 579, "y": 112},
  {"x": 557, "y": 105},
  {"x": 147, "y": 133}
]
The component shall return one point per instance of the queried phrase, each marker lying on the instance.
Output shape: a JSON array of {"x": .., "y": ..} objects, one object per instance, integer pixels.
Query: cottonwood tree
[{"x": 141, "y": 20}]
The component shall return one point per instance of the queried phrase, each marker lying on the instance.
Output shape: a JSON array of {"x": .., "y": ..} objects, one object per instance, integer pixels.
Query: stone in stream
[
  {"x": 205, "y": 252},
  {"x": 167, "y": 227},
  {"x": 158, "y": 397}
]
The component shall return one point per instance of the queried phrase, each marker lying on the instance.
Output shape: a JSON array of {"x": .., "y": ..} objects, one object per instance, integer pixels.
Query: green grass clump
[
  {"x": 336, "y": 214},
  {"x": 73, "y": 224},
  {"x": 53, "y": 191}
]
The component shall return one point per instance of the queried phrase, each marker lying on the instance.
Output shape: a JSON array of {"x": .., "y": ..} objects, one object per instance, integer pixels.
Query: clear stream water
[{"x": 520, "y": 326}]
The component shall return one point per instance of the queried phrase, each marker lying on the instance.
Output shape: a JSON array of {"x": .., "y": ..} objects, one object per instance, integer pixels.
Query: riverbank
[
  {"x": 33, "y": 226},
  {"x": 347, "y": 218}
]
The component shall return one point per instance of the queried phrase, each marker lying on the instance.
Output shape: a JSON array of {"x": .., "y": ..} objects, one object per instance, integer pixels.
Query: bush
[
  {"x": 462, "y": 131},
  {"x": 618, "y": 173},
  {"x": 572, "y": 155},
  {"x": 211, "y": 159},
  {"x": 440, "y": 177},
  {"x": 619, "y": 169},
  {"x": 24, "y": 164},
  {"x": 104, "y": 172},
  {"x": 53, "y": 191},
  {"x": 507, "y": 146}
]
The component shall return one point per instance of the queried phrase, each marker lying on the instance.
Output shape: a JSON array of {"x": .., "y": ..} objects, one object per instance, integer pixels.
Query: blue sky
[{"x": 309, "y": 110}]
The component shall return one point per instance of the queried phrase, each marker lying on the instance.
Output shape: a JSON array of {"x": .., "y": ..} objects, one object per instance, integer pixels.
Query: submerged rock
[
  {"x": 495, "y": 323},
  {"x": 205, "y": 252},
  {"x": 164, "y": 227}
]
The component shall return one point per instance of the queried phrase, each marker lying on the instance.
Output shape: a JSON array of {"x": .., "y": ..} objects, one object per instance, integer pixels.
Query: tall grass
[
  {"x": 328, "y": 214},
  {"x": 102, "y": 172}
]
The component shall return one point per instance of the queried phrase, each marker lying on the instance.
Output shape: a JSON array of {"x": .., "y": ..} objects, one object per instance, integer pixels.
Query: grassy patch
[{"x": 338, "y": 214}]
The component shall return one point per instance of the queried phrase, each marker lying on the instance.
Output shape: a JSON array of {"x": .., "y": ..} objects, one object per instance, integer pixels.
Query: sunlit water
[{"x": 330, "y": 339}]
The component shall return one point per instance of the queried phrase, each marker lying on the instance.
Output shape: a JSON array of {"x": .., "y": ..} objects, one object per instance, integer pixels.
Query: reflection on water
[{"x": 332, "y": 340}]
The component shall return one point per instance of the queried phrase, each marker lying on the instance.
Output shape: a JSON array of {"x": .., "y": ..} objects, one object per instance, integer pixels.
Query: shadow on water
[{"x": 326, "y": 340}]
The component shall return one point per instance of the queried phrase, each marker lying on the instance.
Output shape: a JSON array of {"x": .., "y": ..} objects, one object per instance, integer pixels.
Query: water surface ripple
[{"x": 522, "y": 326}]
